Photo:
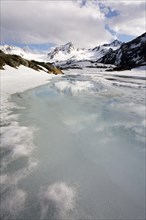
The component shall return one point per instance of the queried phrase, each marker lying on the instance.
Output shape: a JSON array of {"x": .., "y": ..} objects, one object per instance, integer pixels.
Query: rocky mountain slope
[
  {"x": 71, "y": 52},
  {"x": 122, "y": 55},
  {"x": 115, "y": 54},
  {"x": 66, "y": 49},
  {"x": 16, "y": 60},
  {"x": 115, "y": 43},
  {"x": 129, "y": 55},
  {"x": 70, "y": 57}
]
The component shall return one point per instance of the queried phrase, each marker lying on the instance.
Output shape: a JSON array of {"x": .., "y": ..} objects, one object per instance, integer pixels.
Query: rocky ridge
[
  {"x": 15, "y": 61},
  {"x": 129, "y": 55}
]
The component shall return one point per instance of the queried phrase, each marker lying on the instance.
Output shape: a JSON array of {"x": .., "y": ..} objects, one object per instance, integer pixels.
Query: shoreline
[{"x": 17, "y": 81}]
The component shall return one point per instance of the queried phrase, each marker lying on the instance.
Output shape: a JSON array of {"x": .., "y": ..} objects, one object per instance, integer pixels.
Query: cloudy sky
[{"x": 87, "y": 23}]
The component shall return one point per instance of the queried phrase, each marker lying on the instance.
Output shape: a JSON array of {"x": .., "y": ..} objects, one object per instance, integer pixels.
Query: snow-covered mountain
[
  {"x": 62, "y": 50},
  {"x": 69, "y": 54},
  {"x": 116, "y": 53},
  {"x": 26, "y": 52},
  {"x": 130, "y": 54},
  {"x": 113, "y": 45},
  {"x": 13, "y": 50},
  {"x": 65, "y": 52},
  {"x": 123, "y": 55},
  {"x": 116, "y": 44}
]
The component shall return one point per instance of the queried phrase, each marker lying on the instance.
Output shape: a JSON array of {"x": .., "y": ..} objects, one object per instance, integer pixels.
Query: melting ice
[{"x": 76, "y": 150}]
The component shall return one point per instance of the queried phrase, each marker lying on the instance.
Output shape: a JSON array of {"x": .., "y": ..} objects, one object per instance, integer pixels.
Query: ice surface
[
  {"x": 16, "y": 140},
  {"x": 75, "y": 147},
  {"x": 60, "y": 197}
]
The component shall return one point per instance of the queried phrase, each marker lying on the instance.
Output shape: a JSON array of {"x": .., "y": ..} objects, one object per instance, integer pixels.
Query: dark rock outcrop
[
  {"x": 129, "y": 55},
  {"x": 115, "y": 43},
  {"x": 15, "y": 61}
]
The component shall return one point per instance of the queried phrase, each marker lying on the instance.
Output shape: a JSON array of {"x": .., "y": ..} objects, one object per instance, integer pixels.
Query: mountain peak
[
  {"x": 129, "y": 55},
  {"x": 69, "y": 44},
  {"x": 65, "y": 49},
  {"x": 115, "y": 43}
]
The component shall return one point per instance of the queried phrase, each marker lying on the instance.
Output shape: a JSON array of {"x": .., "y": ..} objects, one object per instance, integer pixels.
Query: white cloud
[
  {"x": 131, "y": 18},
  {"x": 53, "y": 21},
  {"x": 62, "y": 21}
]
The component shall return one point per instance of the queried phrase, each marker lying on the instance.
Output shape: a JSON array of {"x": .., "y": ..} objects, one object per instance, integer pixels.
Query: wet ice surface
[{"x": 78, "y": 151}]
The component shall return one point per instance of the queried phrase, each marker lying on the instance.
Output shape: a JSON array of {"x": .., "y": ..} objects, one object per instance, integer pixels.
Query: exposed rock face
[
  {"x": 115, "y": 43},
  {"x": 129, "y": 55},
  {"x": 117, "y": 54},
  {"x": 69, "y": 56},
  {"x": 67, "y": 48},
  {"x": 15, "y": 61}
]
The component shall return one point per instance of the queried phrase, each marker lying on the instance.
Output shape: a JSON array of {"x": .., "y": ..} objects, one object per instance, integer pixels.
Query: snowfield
[
  {"x": 18, "y": 80},
  {"x": 73, "y": 145}
]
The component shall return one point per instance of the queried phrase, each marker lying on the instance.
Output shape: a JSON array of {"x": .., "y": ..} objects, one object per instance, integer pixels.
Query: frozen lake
[{"x": 77, "y": 150}]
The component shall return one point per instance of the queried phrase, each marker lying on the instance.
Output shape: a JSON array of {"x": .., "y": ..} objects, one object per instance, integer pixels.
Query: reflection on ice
[
  {"x": 89, "y": 134},
  {"x": 13, "y": 203},
  {"x": 58, "y": 201},
  {"x": 75, "y": 87}
]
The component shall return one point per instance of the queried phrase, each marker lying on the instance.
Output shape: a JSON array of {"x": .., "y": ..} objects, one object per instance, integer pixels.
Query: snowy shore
[
  {"x": 18, "y": 80},
  {"x": 21, "y": 79}
]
